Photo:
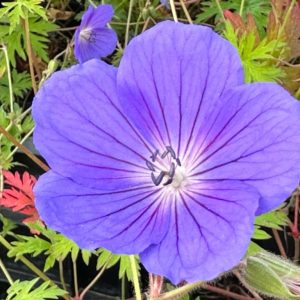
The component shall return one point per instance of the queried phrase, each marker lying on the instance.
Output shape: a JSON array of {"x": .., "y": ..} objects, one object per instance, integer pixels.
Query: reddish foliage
[
  {"x": 19, "y": 196},
  {"x": 240, "y": 26}
]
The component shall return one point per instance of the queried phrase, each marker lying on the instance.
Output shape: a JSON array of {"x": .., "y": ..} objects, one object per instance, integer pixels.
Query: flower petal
[
  {"x": 103, "y": 44},
  {"x": 81, "y": 132},
  {"x": 124, "y": 221},
  {"x": 97, "y": 17},
  {"x": 175, "y": 74},
  {"x": 209, "y": 232},
  {"x": 252, "y": 136}
]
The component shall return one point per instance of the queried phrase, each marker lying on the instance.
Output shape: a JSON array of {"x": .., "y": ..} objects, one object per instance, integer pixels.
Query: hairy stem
[
  {"x": 135, "y": 276},
  {"x": 279, "y": 243}
]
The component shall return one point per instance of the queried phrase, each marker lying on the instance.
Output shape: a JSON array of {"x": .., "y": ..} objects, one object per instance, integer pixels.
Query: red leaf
[{"x": 19, "y": 196}]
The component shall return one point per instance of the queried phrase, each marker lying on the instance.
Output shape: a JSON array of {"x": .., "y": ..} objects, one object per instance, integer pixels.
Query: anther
[
  {"x": 154, "y": 155},
  {"x": 164, "y": 154},
  {"x": 150, "y": 166},
  {"x": 172, "y": 170},
  {"x": 157, "y": 180},
  {"x": 171, "y": 151},
  {"x": 169, "y": 181},
  {"x": 178, "y": 162}
]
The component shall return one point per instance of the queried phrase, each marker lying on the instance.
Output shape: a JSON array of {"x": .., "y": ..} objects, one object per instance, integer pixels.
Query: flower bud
[{"x": 272, "y": 275}]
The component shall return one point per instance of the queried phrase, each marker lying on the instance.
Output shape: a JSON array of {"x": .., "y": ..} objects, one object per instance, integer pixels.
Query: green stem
[
  {"x": 29, "y": 54},
  {"x": 128, "y": 22},
  {"x": 179, "y": 292},
  {"x": 242, "y": 7},
  {"x": 88, "y": 287},
  {"x": 123, "y": 288},
  {"x": 75, "y": 279},
  {"x": 135, "y": 278},
  {"x": 173, "y": 10},
  {"x": 30, "y": 265},
  {"x": 186, "y": 12},
  {"x": 61, "y": 274},
  {"x": 21, "y": 142},
  {"x": 220, "y": 10},
  {"x": 11, "y": 95},
  {"x": 5, "y": 272}
]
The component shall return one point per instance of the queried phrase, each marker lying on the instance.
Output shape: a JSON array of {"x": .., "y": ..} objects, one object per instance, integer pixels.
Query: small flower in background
[
  {"x": 165, "y": 3},
  {"x": 171, "y": 158},
  {"x": 19, "y": 196},
  {"x": 92, "y": 38}
]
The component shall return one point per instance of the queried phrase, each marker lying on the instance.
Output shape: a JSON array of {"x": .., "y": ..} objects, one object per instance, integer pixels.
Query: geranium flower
[
  {"x": 169, "y": 156},
  {"x": 92, "y": 38}
]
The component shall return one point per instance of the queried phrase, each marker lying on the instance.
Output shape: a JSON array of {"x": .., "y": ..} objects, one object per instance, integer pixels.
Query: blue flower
[
  {"x": 170, "y": 156},
  {"x": 92, "y": 38}
]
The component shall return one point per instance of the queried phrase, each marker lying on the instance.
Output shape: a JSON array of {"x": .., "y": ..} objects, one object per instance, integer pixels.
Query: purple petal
[
  {"x": 210, "y": 230},
  {"x": 123, "y": 221},
  {"x": 97, "y": 17},
  {"x": 103, "y": 45},
  {"x": 92, "y": 39},
  {"x": 175, "y": 74},
  {"x": 82, "y": 133},
  {"x": 252, "y": 136}
]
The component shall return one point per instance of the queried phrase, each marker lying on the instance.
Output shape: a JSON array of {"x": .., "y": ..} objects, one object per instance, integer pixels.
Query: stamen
[
  {"x": 154, "y": 155},
  {"x": 164, "y": 154},
  {"x": 150, "y": 166},
  {"x": 171, "y": 151},
  {"x": 172, "y": 170},
  {"x": 178, "y": 162},
  {"x": 169, "y": 181},
  {"x": 157, "y": 180}
]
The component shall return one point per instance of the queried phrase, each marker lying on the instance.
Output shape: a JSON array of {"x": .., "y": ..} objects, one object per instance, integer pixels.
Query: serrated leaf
[
  {"x": 24, "y": 290},
  {"x": 33, "y": 245},
  {"x": 21, "y": 83},
  {"x": 124, "y": 261},
  {"x": 257, "y": 56},
  {"x": 274, "y": 219}
]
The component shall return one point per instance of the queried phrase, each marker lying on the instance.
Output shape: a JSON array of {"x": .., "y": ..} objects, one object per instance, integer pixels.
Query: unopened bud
[{"x": 272, "y": 275}]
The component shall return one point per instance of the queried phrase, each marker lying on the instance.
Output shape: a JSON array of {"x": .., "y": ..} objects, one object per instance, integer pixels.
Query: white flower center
[{"x": 87, "y": 34}]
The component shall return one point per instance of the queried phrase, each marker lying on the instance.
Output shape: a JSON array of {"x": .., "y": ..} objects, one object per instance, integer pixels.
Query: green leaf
[
  {"x": 123, "y": 260},
  {"x": 24, "y": 290},
  {"x": 273, "y": 219},
  {"x": 260, "y": 234},
  {"x": 33, "y": 245},
  {"x": 253, "y": 249},
  {"x": 259, "y": 8},
  {"x": 18, "y": 9},
  {"x": 258, "y": 61},
  {"x": 39, "y": 29},
  {"x": 7, "y": 225},
  {"x": 21, "y": 84}
]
